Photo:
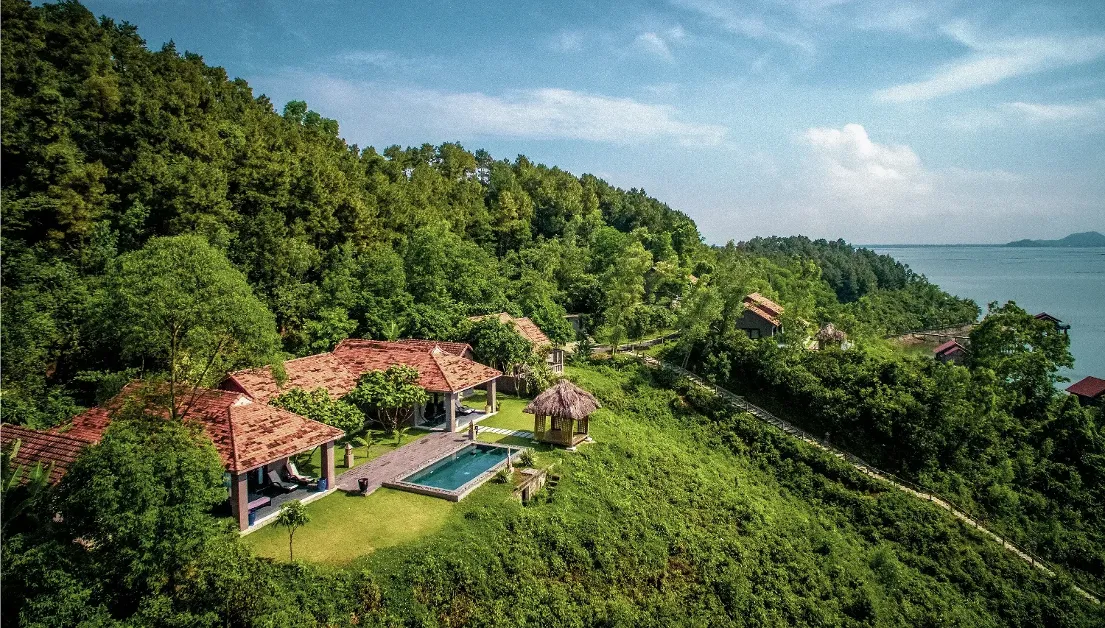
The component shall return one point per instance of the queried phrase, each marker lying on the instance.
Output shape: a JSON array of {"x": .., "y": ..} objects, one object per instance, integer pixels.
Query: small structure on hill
[
  {"x": 567, "y": 408},
  {"x": 526, "y": 328},
  {"x": 761, "y": 317},
  {"x": 950, "y": 351},
  {"x": 1090, "y": 390},
  {"x": 1059, "y": 325},
  {"x": 830, "y": 336}
]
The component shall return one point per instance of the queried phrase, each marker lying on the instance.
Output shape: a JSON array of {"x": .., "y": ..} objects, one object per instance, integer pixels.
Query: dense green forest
[{"x": 145, "y": 193}]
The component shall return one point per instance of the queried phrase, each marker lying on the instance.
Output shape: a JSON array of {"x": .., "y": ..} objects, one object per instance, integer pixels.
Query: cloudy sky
[{"x": 878, "y": 122}]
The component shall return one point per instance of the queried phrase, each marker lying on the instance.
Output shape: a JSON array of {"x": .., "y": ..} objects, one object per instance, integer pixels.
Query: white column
[
  {"x": 491, "y": 404},
  {"x": 451, "y": 411}
]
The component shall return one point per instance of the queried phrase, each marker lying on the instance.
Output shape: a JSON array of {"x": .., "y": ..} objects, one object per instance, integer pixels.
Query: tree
[
  {"x": 317, "y": 405},
  {"x": 180, "y": 304},
  {"x": 623, "y": 286},
  {"x": 21, "y": 489},
  {"x": 697, "y": 314},
  {"x": 393, "y": 393},
  {"x": 141, "y": 501},
  {"x": 1025, "y": 353},
  {"x": 499, "y": 344},
  {"x": 293, "y": 515}
]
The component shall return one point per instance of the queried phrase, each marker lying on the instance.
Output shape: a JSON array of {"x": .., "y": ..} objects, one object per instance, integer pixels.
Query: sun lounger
[
  {"x": 293, "y": 474},
  {"x": 277, "y": 483}
]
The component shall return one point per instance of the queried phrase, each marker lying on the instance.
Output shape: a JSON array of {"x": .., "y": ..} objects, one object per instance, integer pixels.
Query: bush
[{"x": 526, "y": 459}]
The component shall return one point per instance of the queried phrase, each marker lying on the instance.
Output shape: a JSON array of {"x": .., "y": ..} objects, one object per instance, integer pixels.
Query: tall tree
[
  {"x": 179, "y": 304},
  {"x": 623, "y": 285},
  {"x": 393, "y": 394}
]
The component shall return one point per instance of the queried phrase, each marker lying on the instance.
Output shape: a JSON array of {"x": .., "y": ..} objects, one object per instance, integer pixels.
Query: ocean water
[{"x": 1066, "y": 283}]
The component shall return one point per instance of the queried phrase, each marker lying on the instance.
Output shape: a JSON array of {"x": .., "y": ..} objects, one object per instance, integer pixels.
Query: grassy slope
[{"x": 663, "y": 521}]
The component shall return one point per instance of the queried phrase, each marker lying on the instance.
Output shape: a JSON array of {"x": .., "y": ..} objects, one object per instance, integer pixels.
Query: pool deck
[{"x": 404, "y": 461}]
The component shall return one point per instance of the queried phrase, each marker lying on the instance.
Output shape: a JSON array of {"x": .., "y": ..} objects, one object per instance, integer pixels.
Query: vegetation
[
  {"x": 390, "y": 395},
  {"x": 292, "y": 516},
  {"x": 319, "y": 406}
]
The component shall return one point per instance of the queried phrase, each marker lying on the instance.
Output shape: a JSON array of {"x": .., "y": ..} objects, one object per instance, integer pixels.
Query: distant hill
[{"x": 1086, "y": 238}]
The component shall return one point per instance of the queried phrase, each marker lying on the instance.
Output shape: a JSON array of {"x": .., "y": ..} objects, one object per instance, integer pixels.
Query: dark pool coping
[{"x": 463, "y": 490}]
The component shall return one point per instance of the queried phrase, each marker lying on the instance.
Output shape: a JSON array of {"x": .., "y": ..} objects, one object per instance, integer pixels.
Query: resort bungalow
[
  {"x": 254, "y": 441},
  {"x": 1090, "y": 391},
  {"x": 1059, "y": 325},
  {"x": 567, "y": 408},
  {"x": 526, "y": 328},
  {"x": 950, "y": 351},
  {"x": 761, "y": 317},
  {"x": 442, "y": 371}
]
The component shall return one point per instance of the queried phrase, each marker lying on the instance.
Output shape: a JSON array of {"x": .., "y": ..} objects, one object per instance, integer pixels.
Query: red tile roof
[
  {"x": 55, "y": 451},
  {"x": 1044, "y": 316},
  {"x": 524, "y": 326},
  {"x": 948, "y": 347},
  {"x": 324, "y": 370},
  {"x": 246, "y": 433},
  {"x": 1091, "y": 387},
  {"x": 441, "y": 368},
  {"x": 438, "y": 370},
  {"x": 461, "y": 349},
  {"x": 764, "y": 308}
]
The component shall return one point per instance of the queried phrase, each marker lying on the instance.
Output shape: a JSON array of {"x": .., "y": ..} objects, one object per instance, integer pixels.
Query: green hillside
[{"x": 1084, "y": 239}]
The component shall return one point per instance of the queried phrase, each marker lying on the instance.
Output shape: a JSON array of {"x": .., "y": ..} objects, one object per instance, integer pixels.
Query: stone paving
[
  {"x": 506, "y": 432},
  {"x": 396, "y": 465}
]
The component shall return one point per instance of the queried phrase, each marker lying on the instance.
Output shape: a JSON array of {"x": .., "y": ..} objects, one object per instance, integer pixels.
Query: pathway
[
  {"x": 863, "y": 467},
  {"x": 403, "y": 461},
  {"x": 506, "y": 432}
]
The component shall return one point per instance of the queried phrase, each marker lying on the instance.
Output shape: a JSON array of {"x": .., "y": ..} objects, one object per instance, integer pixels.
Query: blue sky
[{"x": 878, "y": 122}]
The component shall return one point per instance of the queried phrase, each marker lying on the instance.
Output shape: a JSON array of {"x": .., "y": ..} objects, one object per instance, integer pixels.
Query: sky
[{"x": 876, "y": 122}]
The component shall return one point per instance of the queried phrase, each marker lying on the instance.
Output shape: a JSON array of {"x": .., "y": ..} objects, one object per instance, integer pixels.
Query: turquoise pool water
[{"x": 459, "y": 468}]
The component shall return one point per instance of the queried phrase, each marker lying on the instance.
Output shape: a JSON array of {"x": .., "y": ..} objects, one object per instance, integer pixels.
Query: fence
[{"x": 868, "y": 469}]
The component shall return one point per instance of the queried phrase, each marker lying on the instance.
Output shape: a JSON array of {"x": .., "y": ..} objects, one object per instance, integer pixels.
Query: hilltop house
[
  {"x": 443, "y": 370},
  {"x": 526, "y": 328},
  {"x": 1059, "y": 325},
  {"x": 761, "y": 317},
  {"x": 950, "y": 351},
  {"x": 1090, "y": 390},
  {"x": 253, "y": 440}
]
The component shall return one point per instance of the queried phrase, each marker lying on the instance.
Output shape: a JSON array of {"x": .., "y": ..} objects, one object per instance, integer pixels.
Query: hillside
[{"x": 1084, "y": 239}]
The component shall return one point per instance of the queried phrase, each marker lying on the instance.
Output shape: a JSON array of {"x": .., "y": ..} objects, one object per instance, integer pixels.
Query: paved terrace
[{"x": 401, "y": 462}]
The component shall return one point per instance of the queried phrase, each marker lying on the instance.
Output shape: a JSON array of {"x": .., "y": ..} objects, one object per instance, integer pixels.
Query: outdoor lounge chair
[
  {"x": 277, "y": 483},
  {"x": 293, "y": 474},
  {"x": 463, "y": 410}
]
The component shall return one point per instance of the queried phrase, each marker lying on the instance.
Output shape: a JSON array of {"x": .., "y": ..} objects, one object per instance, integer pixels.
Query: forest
[{"x": 154, "y": 208}]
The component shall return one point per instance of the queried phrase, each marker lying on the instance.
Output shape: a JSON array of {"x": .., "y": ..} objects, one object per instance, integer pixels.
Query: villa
[
  {"x": 1091, "y": 390},
  {"x": 526, "y": 328},
  {"x": 761, "y": 317},
  {"x": 254, "y": 441},
  {"x": 443, "y": 370},
  {"x": 951, "y": 351}
]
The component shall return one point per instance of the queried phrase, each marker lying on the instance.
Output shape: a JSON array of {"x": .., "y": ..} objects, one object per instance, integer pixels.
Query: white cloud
[
  {"x": 748, "y": 25},
  {"x": 863, "y": 173},
  {"x": 385, "y": 60},
  {"x": 655, "y": 44},
  {"x": 568, "y": 41},
  {"x": 409, "y": 113},
  {"x": 995, "y": 60},
  {"x": 1070, "y": 112}
]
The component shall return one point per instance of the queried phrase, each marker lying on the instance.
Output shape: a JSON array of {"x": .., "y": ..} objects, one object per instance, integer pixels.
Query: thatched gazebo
[{"x": 567, "y": 406}]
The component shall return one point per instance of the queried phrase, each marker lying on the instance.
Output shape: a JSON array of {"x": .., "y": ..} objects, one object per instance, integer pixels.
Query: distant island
[{"x": 1086, "y": 238}]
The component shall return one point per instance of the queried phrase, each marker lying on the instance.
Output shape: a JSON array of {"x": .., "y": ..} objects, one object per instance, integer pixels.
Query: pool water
[{"x": 459, "y": 468}]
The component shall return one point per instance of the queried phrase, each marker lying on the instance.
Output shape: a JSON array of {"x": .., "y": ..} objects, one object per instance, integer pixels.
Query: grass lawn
[
  {"x": 510, "y": 415},
  {"x": 344, "y": 527}
]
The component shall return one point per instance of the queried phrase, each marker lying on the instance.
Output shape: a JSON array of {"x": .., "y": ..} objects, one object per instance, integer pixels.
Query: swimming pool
[{"x": 456, "y": 474}]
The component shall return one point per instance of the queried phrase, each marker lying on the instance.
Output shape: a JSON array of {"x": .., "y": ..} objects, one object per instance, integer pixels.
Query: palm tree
[{"x": 292, "y": 515}]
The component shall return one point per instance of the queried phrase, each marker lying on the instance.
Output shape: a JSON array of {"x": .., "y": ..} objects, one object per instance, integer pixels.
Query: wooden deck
[{"x": 398, "y": 464}]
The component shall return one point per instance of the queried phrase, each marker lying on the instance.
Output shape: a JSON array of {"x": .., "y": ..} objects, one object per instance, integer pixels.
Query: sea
[{"x": 1068, "y": 283}]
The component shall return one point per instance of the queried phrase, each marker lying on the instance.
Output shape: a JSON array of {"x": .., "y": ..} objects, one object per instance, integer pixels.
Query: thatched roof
[
  {"x": 829, "y": 333},
  {"x": 564, "y": 399}
]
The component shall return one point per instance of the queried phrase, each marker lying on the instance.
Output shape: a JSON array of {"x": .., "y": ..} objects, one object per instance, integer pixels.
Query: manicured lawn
[
  {"x": 344, "y": 527},
  {"x": 510, "y": 415}
]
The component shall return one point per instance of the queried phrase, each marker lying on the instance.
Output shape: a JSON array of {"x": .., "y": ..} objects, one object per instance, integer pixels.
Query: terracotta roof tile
[
  {"x": 55, "y": 451},
  {"x": 524, "y": 326},
  {"x": 246, "y": 433},
  {"x": 764, "y": 308},
  {"x": 461, "y": 349},
  {"x": 1091, "y": 387},
  {"x": 947, "y": 347},
  {"x": 438, "y": 370},
  {"x": 323, "y": 370}
]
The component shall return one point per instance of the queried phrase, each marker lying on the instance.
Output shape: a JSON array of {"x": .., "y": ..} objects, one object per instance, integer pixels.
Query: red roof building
[
  {"x": 440, "y": 365},
  {"x": 248, "y": 435},
  {"x": 761, "y": 316},
  {"x": 1089, "y": 389},
  {"x": 55, "y": 452},
  {"x": 950, "y": 351},
  {"x": 525, "y": 327}
]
